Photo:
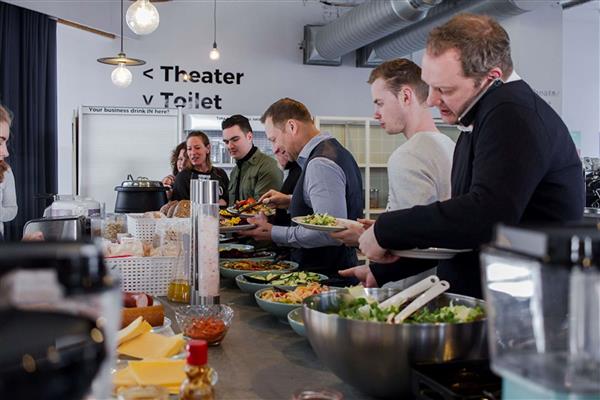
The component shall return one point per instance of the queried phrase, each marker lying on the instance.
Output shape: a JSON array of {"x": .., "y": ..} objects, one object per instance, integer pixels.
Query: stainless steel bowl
[{"x": 376, "y": 357}]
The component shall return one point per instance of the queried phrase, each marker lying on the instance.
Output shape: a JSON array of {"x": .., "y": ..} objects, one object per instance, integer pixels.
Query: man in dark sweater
[{"x": 514, "y": 163}]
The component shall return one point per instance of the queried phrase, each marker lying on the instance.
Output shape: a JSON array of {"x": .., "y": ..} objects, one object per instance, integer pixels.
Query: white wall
[
  {"x": 536, "y": 45},
  {"x": 259, "y": 39},
  {"x": 581, "y": 70}
]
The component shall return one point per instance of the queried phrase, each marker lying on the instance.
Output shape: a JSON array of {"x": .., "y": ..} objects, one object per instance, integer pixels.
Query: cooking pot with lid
[{"x": 140, "y": 195}]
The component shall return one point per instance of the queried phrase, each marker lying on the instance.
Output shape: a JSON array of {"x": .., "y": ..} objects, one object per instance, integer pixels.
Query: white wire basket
[
  {"x": 150, "y": 275},
  {"x": 141, "y": 228}
]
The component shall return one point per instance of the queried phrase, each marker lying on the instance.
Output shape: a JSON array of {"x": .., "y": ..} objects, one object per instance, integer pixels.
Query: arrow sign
[{"x": 147, "y": 73}]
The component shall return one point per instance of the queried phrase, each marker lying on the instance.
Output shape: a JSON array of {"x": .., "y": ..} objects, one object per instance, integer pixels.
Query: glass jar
[
  {"x": 374, "y": 198},
  {"x": 112, "y": 225},
  {"x": 317, "y": 394}
]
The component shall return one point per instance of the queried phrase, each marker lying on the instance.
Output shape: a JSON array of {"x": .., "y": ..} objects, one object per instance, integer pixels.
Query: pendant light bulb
[
  {"x": 214, "y": 53},
  {"x": 121, "y": 76},
  {"x": 142, "y": 17}
]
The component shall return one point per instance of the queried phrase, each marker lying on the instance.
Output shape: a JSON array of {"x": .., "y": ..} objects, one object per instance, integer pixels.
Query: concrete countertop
[{"x": 263, "y": 358}]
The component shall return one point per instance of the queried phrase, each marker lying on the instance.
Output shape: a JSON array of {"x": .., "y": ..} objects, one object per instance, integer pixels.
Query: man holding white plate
[
  {"x": 418, "y": 170},
  {"x": 330, "y": 183}
]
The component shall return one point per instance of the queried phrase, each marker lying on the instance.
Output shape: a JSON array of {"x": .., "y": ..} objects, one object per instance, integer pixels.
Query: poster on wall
[{"x": 114, "y": 142}]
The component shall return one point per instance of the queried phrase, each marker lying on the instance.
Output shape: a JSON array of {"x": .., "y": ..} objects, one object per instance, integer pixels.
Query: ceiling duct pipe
[
  {"x": 367, "y": 23},
  {"x": 414, "y": 37}
]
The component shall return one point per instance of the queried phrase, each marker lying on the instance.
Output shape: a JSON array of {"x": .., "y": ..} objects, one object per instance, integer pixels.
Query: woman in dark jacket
[{"x": 198, "y": 152}]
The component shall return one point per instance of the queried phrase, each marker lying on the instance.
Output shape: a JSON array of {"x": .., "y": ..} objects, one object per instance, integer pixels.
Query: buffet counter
[{"x": 262, "y": 358}]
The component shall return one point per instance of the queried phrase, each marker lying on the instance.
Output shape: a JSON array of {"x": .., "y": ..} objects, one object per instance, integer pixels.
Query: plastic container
[
  {"x": 542, "y": 295},
  {"x": 150, "y": 275},
  {"x": 68, "y": 204},
  {"x": 112, "y": 225}
]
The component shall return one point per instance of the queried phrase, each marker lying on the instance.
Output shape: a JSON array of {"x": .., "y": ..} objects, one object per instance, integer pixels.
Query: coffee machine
[
  {"x": 59, "y": 315},
  {"x": 542, "y": 291}
]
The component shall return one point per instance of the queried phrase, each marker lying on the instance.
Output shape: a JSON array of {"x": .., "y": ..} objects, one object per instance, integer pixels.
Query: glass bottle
[
  {"x": 198, "y": 385},
  {"x": 179, "y": 285}
]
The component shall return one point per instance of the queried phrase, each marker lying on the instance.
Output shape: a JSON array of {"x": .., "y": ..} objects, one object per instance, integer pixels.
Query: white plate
[
  {"x": 236, "y": 228},
  {"x": 432, "y": 253},
  {"x": 234, "y": 211},
  {"x": 335, "y": 228},
  {"x": 240, "y": 247},
  {"x": 164, "y": 328}
]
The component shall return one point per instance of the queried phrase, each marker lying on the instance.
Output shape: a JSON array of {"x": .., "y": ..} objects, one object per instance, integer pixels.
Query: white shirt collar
[{"x": 512, "y": 78}]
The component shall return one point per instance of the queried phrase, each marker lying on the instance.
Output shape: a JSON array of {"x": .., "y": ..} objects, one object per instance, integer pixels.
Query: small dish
[
  {"x": 208, "y": 322},
  {"x": 164, "y": 328}
]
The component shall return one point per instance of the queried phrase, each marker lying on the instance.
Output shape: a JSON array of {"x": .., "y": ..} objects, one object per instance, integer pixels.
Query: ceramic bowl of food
[
  {"x": 233, "y": 268},
  {"x": 250, "y": 282},
  {"x": 295, "y": 320},
  {"x": 208, "y": 322},
  {"x": 280, "y": 303}
]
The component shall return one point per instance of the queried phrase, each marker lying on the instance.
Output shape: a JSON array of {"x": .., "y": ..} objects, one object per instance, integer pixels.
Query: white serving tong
[
  {"x": 400, "y": 298},
  {"x": 424, "y": 298},
  {"x": 425, "y": 290}
]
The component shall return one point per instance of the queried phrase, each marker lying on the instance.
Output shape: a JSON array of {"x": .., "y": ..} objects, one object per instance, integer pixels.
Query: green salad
[
  {"x": 447, "y": 314},
  {"x": 320, "y": 219}
]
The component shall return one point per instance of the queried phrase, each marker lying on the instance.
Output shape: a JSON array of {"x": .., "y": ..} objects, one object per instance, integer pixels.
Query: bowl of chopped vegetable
[
  {"x": 252, "y": 281},
  {"x": 363, "y": 349}
]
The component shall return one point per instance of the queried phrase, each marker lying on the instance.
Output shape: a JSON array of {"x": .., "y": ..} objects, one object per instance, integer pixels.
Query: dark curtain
[{"x": 28, "y": 89}]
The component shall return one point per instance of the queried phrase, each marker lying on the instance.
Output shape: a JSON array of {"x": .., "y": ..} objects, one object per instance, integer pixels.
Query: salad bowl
[{"x": 382, "y": 354}]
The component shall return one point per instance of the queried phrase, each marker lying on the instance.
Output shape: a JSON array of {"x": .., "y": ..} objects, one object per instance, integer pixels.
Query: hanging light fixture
[
  {"x": 121, "y": 76},
  {"x": 142, "y": 17},
  {"x": 214, "y": 53}
]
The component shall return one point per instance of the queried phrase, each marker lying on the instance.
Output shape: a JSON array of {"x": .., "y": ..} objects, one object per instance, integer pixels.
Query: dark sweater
[
  {"x": 518, "y": 165},
  {"x": 181, "y": 187}
]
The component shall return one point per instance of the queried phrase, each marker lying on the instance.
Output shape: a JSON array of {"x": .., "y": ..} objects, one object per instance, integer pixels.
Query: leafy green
[
  {"x": 447, "y": 314},
  {"x": 320, "y": 219},
  {"x": 353, "y": 309}
]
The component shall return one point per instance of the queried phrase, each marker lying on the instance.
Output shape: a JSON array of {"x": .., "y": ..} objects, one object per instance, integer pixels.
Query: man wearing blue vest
[{"x": 330, "y": 183}]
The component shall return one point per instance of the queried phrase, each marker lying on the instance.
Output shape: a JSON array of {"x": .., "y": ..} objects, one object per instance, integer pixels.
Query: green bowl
[
  {"x": 251, "y": 287},
  {"x": 296, "y": 321},
  {"x": 232, "y": 273},
  {"x": 280, "y": 310}
]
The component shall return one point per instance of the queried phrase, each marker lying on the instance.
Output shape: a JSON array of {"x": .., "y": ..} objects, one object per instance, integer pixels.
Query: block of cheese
[
  {"x": 152, "y": 345},
  {"x": 138, "y": 327},
  {"x": 163, "y": 372},
  {"x": 123, "y": 377}
]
